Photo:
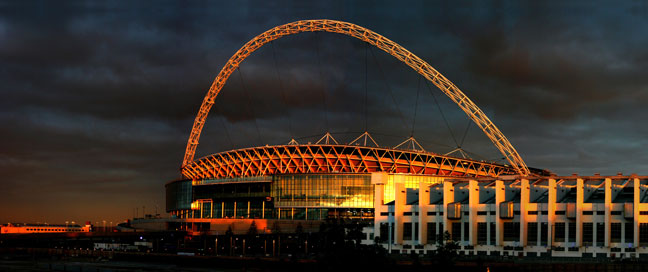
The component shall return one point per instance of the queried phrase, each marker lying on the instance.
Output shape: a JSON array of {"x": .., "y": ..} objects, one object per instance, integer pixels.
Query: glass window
[
  {"x": 308, "y": 190},
  {"x": 572, "y": 232},
  {"x": 492, "y": 234},
  {"x": 384, "y": 235},
  {"x": 409, "y": 181},
  {"x": 511, "y": 231},
  {"x": 588, "y": 234},
  {"x": 600, "y": 234},
  {"x": 629, "y": 232},
  {"x": 615, "y": 232},
  {"x": 206, "y": 209},
  {"x": 544, "y": 233},
  {"x": 643, "y": 234},
  {"x": 456, "y": 231},
  {"x": 229, "y": 209},
  {"x": 482, "y": 233},
  {"x": 407, "y": 231},
  {"x": 241, "y": 209},
  {"x": 532, "y": 233},
  {"x": 559, "y": 236},
  {"x": 431, "y": 233}
]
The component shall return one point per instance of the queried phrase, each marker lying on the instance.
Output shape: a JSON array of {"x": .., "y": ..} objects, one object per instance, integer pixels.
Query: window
[
  {"x": 511, "y": 231},
  {"x": 615, "y": 212},
  {"x": 407, "y": 231},
  {"x": 456, "y": 231},
  {"x": 416, "y": 231},
  {"x": 492, "y": 234},
  {"x": 544, "y": 232},
  {"x": 600, "y": 234},
  {"x": 384, "y": 235},
  {"x": 629, "y": 232},
  {"x": 431, "y": 233},
  {"x": 441, "y": 233},
  {"x": 466, "y": 231},
  {"x": 588, "y": 212},
  {"x": 532, "y": 212},
  {"x": 482, "y": 213},
  {"x": 572, "y": 232},
  {"x": 560, "y": 212},
  {"x": 588, "y": 234},
  {"x": 431, "y": 213},
  {"x": 482, "y": 233},
  {"x": 643, "y": 212},
  {"x": 559, "y": 236},
  {"x": 615, "y": 232},
  {"x": 532, "y": 233},
  {"x": 643, "y": 234}
]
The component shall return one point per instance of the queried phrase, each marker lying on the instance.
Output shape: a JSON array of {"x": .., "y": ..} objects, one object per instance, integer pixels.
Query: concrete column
[
  {"x": 500, "y": 196},
  {"x": 524, "y": 207},
  {"x": 473, "y": 202},
  {"x": 608, "y": 207},
  {"x": 378, "y": 179},
  {"x": 580, "y": 198},
  {"x": 551, "y": 203},
  {"x": 399, "y": 207},
  {"x": 635, "y": 211},
  {"x": 424, "y": 207},
  {"x": 448, "y": 197}
]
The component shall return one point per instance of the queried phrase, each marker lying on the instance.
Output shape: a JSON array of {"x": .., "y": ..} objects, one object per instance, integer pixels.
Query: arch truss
[{"x": 366, "y": 35}]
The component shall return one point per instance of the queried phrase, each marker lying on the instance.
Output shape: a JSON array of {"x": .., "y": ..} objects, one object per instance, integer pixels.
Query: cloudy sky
[{"x": 98, "y": 98}]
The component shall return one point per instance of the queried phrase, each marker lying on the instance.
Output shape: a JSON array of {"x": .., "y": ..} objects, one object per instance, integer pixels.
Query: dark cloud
[{"x": 98, "y": 97}]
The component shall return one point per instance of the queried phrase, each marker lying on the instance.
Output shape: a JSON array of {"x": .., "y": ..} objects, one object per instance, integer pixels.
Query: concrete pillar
[
  {"x": 608, "y": 207},
  {"x": 448, "y": 197},
  {"x": 635, "y": 211},
  {"x": 551, "y": 203},
  {"x": 524, "y": 207},
  {"x": 378, "y": 180},
  {"x": 473, "y": 202},
  {"x": 424, "y": 207},
  {"x": 400, "y": 201},
  {"x": 500, "y": 196},
  {"x": 580, "y": 187}
]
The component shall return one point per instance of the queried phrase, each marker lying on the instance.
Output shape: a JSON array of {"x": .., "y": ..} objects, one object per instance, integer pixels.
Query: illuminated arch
[{"x": 366, "y": 35}]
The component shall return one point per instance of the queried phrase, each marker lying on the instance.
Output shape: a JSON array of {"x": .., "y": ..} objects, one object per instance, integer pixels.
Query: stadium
[{"x": 407, "y": 196}]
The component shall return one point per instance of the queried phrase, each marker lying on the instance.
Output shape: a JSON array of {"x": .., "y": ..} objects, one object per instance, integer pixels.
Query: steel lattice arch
[
  {"x": 318, "y": 158},
  {"x": 420, "y": 66}
]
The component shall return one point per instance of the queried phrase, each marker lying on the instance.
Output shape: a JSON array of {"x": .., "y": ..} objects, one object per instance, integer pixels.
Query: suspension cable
[
  {"x": 222, "y": 121},
  {"x": 249, "y": 105},
  {"x": 366, "y": 85},
  {"x": 391, "y": 94},
  {"x": 319, "y": 68},
  {"x": 281, "y": 88},
  {"x": 441, "y": 112},
  {"x": 465, "y": 133},
  {"x": 418, "y": 90}
]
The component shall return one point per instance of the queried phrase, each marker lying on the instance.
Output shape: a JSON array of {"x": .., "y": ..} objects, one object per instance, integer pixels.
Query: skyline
[{"x": 100, "y": 98}]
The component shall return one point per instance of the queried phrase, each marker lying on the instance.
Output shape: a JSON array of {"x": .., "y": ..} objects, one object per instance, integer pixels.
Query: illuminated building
[
  {"x": 407, "y": 195},
  {"x": 570, "y": 216},
  {"x": 21, "y": 228}
]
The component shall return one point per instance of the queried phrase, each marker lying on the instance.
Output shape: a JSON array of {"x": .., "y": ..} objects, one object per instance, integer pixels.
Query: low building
[{"x": 557, "y": 216}]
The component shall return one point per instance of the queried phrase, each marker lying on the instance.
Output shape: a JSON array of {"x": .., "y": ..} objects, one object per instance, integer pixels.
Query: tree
[{"x": 446, "y": 251}]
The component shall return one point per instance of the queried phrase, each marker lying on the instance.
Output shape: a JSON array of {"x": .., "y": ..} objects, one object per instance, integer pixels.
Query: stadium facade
[{"x": 408, "y": 197}]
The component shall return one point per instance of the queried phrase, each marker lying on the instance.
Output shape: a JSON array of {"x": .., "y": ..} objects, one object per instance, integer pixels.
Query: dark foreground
[{"x": 40, "y": 259}]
